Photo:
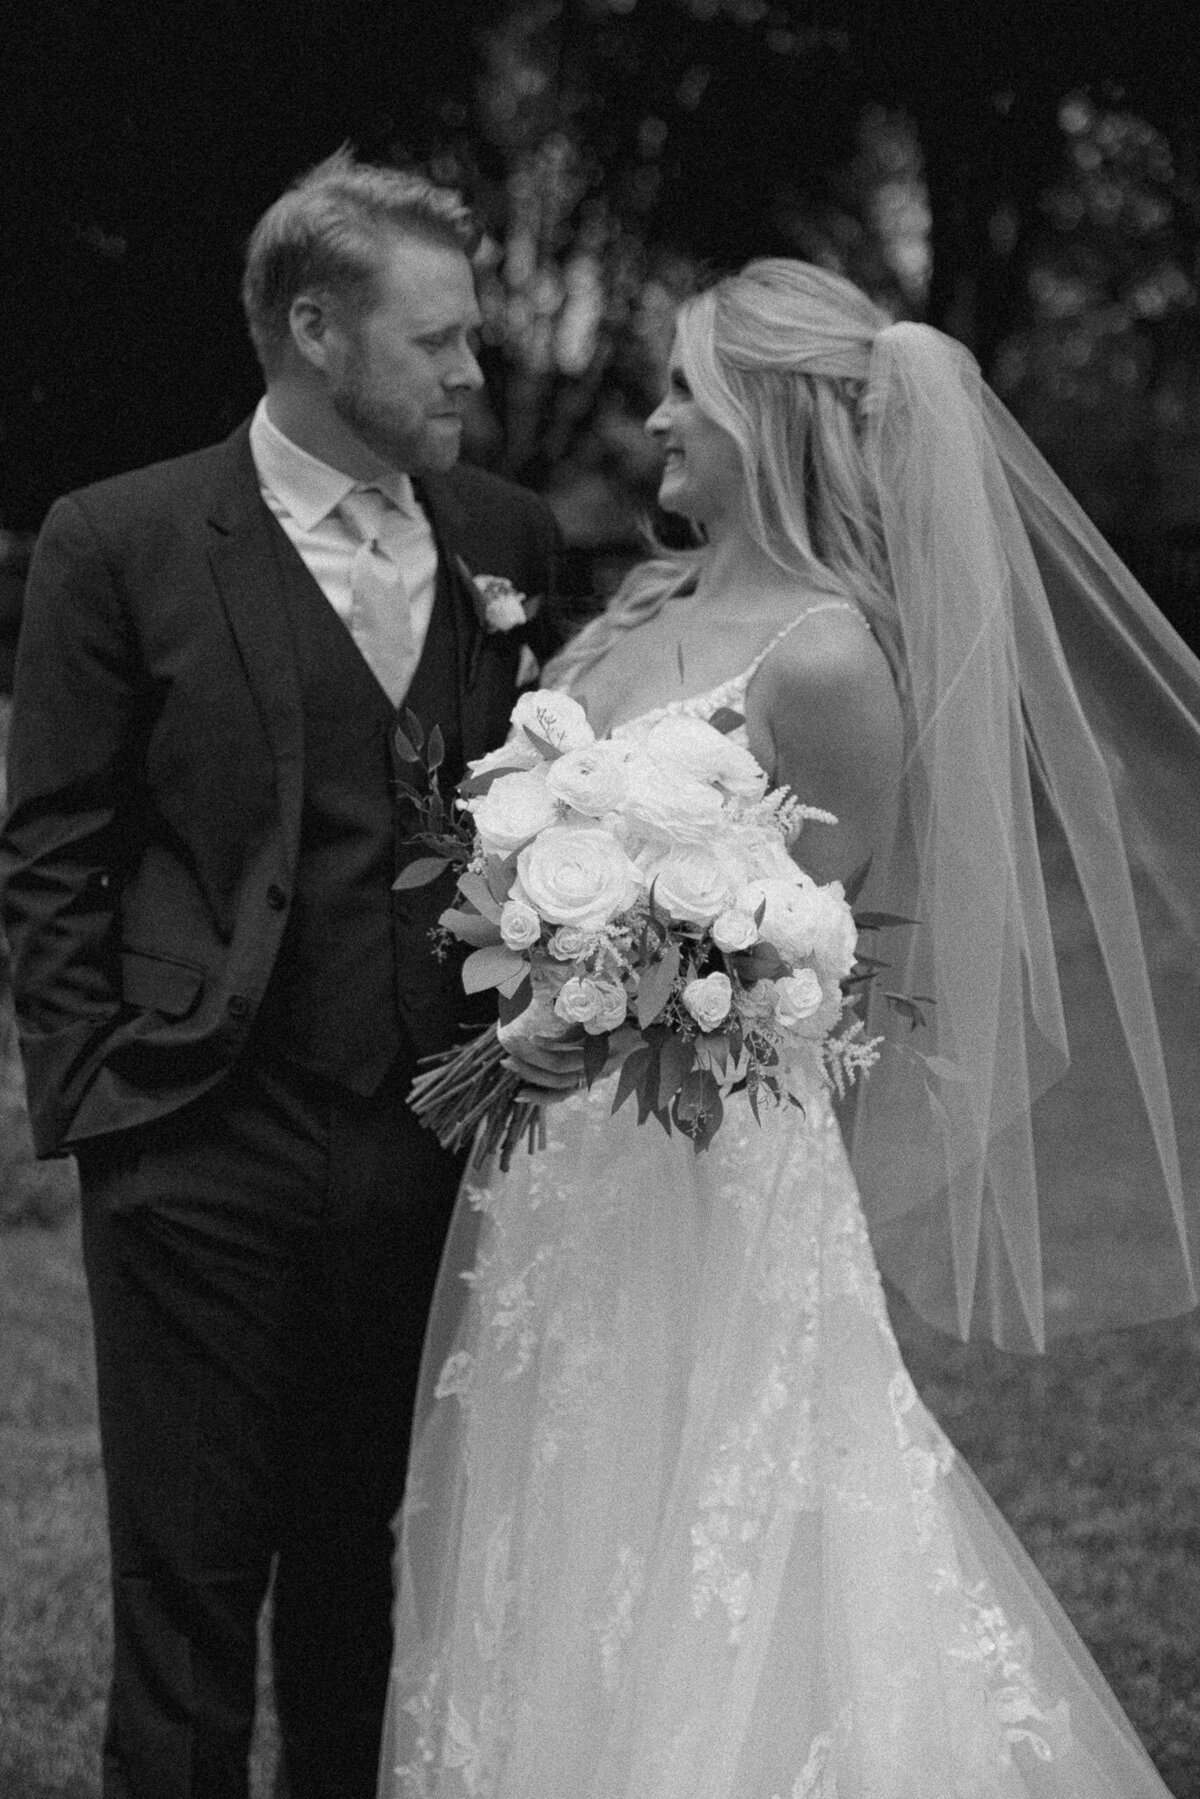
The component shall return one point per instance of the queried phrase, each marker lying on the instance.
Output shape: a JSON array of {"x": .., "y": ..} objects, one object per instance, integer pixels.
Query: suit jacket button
[
  {"x": 276, "y": 897},
  {"x": 239, "y": 1006}
]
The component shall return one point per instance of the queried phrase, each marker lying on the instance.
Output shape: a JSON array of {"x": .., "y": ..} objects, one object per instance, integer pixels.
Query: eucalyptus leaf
[
  {"x": 595, "y": 1055},
  {"x": 491, "y": 967},
  {"x": 419, "y": 873}
]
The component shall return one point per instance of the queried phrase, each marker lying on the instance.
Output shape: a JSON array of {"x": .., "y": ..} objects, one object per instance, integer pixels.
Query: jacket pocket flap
[{"x": 159, "y": 982}]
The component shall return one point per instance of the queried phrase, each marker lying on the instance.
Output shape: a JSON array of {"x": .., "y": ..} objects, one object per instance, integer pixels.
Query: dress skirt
[{"x": 678, "y": 1525}]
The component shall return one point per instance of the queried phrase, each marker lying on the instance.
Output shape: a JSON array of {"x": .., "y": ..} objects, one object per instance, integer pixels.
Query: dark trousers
[{"x": 260, "y": 1268}]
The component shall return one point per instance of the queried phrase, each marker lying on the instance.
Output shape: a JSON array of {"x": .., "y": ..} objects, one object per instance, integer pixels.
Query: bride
[{"x": 677, "y": 1525}]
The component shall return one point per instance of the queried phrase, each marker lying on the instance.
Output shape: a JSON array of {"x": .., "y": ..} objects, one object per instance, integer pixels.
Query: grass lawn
[{"x": 1093, "y": 1454}]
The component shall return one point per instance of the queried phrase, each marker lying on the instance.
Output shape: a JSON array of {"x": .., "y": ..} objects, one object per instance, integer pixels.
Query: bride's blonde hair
[{"x": 778, "y": 356}]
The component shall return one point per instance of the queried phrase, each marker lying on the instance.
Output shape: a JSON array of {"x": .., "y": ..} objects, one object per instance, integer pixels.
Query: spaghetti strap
[{"x": 809, "y": 611}]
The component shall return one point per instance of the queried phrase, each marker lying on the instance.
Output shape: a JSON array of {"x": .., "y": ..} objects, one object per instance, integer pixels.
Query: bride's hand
[{"x": 552, "y": 1067}]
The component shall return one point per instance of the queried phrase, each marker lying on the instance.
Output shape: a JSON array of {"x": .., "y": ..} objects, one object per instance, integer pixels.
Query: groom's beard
[{"x": 394, "y": 427}]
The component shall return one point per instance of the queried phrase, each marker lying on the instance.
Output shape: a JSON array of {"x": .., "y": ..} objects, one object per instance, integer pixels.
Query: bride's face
[{"x": 702, "y": 476}]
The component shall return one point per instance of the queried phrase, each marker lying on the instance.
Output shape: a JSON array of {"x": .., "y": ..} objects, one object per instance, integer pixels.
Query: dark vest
[{"x": 356, "y": 984}]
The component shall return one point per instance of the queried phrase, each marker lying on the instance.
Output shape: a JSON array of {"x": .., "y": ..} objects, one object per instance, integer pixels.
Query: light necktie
[{"x": 380, "y": 621}]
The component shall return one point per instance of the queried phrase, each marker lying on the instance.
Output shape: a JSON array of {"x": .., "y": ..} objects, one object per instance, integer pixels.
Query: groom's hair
[{"x": 332, "y": 230}]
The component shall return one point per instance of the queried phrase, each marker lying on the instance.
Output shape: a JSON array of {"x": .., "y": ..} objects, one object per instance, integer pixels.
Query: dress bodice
[{"x": 730, "y": 694}]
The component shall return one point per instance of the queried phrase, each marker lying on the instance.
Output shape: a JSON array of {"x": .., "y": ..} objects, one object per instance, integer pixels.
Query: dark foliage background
[{"x": 1023, "y": 176}]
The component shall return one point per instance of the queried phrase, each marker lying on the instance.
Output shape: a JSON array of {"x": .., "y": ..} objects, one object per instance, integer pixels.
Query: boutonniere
[{"x": 498, "y": 605}]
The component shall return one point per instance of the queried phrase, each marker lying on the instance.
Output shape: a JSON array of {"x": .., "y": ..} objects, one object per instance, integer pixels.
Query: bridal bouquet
[{"x": 634, "y": 894}]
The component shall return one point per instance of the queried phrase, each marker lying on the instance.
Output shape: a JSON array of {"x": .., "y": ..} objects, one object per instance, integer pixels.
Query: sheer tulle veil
[{"x": 1029, "y": 1158}]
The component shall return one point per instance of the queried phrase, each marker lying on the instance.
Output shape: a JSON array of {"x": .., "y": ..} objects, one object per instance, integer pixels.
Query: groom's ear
[{"x": 311, "y": 322}]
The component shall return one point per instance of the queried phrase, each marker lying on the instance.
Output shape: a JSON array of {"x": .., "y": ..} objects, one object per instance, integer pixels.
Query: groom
[{"x": 222, "y": 999}]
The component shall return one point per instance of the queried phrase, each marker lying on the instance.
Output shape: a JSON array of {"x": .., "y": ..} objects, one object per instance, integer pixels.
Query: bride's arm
[{"x": 823, "y": 719}]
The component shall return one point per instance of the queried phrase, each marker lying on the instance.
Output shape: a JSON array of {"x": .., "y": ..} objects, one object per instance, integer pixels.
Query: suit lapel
[
  {"x": 450, "y": 528},
  {"x": 247, "y": 570}
]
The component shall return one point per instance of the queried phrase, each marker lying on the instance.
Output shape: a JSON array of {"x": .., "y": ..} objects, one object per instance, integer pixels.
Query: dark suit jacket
[{"x": 156, "y": 767}]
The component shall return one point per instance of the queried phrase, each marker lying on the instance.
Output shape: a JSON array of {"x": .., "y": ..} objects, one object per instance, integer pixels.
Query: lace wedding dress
[{"x": 678, "y": 1525}]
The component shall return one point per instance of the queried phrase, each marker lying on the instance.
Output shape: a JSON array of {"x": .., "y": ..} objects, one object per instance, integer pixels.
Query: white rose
[
  {"x": 797, "y": 997},
  {"x": 670, "y": 805},
  {"x": 558, "y": 718},
  {"x": 514, "y": 809},
  {"x": 789, "y": 918},
  {"x": 706, "y": 754},
  {"x": 520, "y": 926},
  {"x": 572, "y": 942},
  {"x": 709, "y": 1000},
  {"x": 577, "y": 876},
  {"x": 591, "y": 780},
  {"x": 734, "y": 930},
  {"x": 835, "y": 936},
  {"x": 598, "y": 1005},
  {"x": 694, "y": 882}
]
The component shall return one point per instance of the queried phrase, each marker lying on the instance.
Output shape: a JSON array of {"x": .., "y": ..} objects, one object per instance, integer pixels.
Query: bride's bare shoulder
[{"x": 829, "y": 655}]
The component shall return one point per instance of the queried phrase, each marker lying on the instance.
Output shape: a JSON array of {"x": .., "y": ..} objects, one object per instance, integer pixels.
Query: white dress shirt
[{"x": 304, "y": 494}]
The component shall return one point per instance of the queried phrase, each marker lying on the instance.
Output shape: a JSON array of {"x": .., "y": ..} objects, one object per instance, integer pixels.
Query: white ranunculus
[
  {"x": 835, "y": 936},
  {"x": 579, "y": 876},
  {"x": 669, "y": 806},
  {"x": 590, "y": 780},
  {"x": 520, "y": 926},
  {"x": 706, "y": 754},
  {"x": 558, "y": 718},
  {"x": 790, "y": 913},
  {"x": 694, "y": 881},
  {"x": 767, "y": 859},
  {"x": 517, "y": 753},
  {"x": 514, "y": 809},
  {"x": 797, "y": 997},
  {"x": 709, "y": 1000},
  {"x": 733, "y": 930},
  {"x": 598, "y": 1005}
]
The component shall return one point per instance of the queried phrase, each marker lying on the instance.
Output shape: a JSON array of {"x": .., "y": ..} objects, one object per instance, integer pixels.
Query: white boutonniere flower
[{"x": 498, "y": 604}]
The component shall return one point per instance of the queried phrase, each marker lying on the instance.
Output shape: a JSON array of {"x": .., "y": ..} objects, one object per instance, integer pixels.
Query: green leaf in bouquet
[
  {"x": 760, "y": 912},
  {"x": 435, "y": 810},
  {"x": 511, "y": 1005},
  {"x": 725, "y": 720},
  {"x": 717, "y": 1045},
  {"x": 420, "y": 872},
  {"x": 500, "y": 873},
  {"x": 854, "y": 886},
  {"x": 492, "y": 967},
  {"x": 406, "y": 749},
  {"x": 635, "y": 1071},
  {"x": 762, "y": 962},
  {"x": 414, "y": 727},
  {"x": 408, "y": 792},
  {"x": 595, "y": 1055},
  {"x": 698, "y": 1110},
  {"x": 655, "y": 986},
  {"x": 908, "y": 1006},
  {"x": 549, "y": 752},
  {"x": 436, "y": 753},
  {"x": 470, "y": 927},
  {"x": 657, "y": 914},
  {"x": 474, "y": 888},
  {"x": 676, "y": 1059},
  {"x": 474, "y": 785},
  {"x": 880, "y": 921}
]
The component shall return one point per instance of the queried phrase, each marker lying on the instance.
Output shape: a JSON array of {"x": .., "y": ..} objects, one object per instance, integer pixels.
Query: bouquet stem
[{"x": 469, "y": 1095}]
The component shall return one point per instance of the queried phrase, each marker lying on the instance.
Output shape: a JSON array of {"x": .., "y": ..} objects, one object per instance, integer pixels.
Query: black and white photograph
[{"x": 600, "y": 900}]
